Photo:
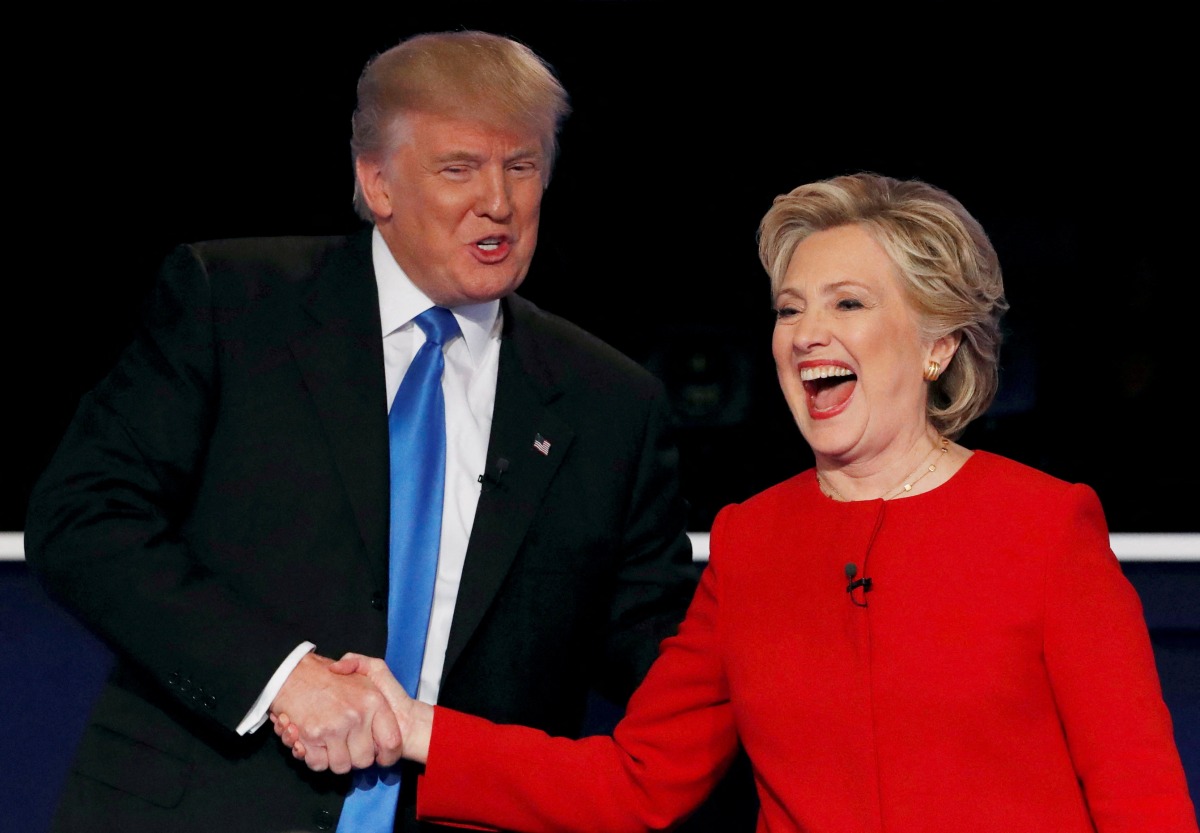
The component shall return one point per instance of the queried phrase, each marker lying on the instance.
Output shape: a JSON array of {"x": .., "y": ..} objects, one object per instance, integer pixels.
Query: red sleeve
[
  {"x": 676, "y": 740},
  {"x": 1106, "y": 684}
]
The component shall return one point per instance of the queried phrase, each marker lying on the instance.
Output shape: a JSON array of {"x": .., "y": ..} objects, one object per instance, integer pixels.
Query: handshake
[{"x": 349, "y": 714}]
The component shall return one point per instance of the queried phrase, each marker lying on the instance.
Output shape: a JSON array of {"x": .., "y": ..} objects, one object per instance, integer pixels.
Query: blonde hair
[
  {"x": 948, "y": 269},
  {"x": 469, "y": 74}
]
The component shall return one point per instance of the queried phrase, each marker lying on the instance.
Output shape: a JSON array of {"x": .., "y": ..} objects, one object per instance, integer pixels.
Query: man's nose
[{"x": 495, "y": 195}]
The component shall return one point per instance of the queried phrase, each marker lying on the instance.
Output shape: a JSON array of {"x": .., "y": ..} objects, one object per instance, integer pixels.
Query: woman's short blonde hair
[{"x": 948, "y": 269}]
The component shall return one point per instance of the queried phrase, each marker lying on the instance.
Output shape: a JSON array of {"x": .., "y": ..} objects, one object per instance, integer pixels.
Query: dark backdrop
[{"x": 1068, "y": 139}]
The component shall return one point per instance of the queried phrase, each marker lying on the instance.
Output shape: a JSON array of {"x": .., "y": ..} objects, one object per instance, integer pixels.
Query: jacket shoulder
[
  {"x": 294, "y": 257},
  {"x": 771, "y": 504},
  {"x": 1004, "y": 474},
  {"x": 565, "y": 351}
]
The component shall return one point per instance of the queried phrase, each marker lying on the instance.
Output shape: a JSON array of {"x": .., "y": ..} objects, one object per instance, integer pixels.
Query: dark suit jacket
[{"x": 222, "y": 495}]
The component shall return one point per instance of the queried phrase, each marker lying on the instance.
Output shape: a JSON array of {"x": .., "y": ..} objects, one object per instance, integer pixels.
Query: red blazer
[{"x": 1000, "y": 679}]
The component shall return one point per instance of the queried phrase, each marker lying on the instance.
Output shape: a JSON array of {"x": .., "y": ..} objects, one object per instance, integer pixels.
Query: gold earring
[{"x": 932, "y": 371}]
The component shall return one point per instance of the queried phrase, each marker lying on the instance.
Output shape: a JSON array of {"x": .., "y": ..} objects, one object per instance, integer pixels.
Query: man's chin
[{"x": 480, "y": 289}]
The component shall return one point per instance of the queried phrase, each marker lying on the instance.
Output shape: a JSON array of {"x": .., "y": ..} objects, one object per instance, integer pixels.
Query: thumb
[
  {"x": 377, "y": 672},
  {"x": 350, "y": 663}
]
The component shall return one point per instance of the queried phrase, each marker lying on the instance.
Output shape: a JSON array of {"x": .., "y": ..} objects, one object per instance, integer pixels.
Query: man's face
[{"x": 458, "y": 203}]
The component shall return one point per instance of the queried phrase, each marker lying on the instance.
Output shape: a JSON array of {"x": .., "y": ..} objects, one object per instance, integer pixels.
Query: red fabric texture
[{"x": 1000, "y": 679}]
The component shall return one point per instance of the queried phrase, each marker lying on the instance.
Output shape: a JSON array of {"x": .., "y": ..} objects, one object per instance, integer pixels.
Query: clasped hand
[{"x": 351, "y": 714}]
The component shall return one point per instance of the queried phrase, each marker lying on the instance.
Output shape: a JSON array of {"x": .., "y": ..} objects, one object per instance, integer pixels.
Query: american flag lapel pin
[{"x": 541, "y": 444}]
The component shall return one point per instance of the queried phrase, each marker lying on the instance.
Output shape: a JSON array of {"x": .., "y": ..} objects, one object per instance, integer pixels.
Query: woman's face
[{"x": 848, "y": 349}]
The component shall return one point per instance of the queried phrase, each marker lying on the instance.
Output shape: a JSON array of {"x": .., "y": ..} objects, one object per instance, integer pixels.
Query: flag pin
[{"x": 541, "y": 444}]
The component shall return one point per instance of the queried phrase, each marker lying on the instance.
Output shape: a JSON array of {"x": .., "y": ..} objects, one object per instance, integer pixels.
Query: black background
[{"x": 1070, "y": 139}]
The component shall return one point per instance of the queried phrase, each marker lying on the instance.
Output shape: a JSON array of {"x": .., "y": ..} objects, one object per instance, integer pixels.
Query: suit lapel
[
  {"x": 506, "y": 508},
  {"x": 341, "y": 361}
]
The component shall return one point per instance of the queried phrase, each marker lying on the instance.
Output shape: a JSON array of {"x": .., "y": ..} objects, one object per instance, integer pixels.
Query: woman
[{"x": 911, "y": 636}]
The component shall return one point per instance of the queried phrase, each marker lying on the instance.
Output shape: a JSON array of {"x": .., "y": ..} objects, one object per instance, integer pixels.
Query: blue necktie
[{"x": 417, "y": 442}]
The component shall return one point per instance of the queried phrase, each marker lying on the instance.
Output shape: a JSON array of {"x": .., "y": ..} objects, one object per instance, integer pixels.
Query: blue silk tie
[{"x": 417, "y": 443}]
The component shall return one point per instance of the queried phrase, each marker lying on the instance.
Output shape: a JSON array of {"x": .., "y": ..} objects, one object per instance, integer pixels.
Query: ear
[
  {"x": 374, "y": 186},
  {"x": 944, "y": 348}
]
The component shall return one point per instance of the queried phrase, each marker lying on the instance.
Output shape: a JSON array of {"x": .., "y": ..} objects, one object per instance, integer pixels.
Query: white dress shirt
[{"x": 469, "y": 387}]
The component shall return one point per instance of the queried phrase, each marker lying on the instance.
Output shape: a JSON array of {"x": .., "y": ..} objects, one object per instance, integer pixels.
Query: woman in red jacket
[{"x": 910, "y": 636}]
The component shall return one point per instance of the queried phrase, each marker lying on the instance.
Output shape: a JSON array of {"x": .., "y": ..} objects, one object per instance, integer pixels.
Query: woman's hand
[{"x": 414, "y": 717}]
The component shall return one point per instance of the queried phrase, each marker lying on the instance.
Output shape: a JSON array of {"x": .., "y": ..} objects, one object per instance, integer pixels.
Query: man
[{"x": 219, "y": 508}]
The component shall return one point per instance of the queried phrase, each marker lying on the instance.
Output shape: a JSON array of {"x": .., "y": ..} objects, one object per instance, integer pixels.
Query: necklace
[{"x": 943, "y": 445}]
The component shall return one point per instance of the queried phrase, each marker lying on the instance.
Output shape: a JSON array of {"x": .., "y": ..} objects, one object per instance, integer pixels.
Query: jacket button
[
  {"x": 185, "y": 684},
  {"x": 211, "y": 701},
  {"x": 377, "y": 601},
  {"x": 173, "y": 679},
  {"x": 323, "y": 819}
]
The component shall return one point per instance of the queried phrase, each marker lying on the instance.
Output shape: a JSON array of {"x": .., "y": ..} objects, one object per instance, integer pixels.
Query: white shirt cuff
[{"x": 257, "y": 715}]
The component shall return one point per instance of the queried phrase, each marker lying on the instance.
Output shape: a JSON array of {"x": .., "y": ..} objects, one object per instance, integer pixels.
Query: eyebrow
[
  {"x": 469, "y": 156},
  {"x": 847, "y": 282},
  {"x": 457, "y": 156},
  {"x": 827, "y": 288}
]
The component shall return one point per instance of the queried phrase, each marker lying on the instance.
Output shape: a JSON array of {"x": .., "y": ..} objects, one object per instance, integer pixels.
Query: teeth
[
  {"x": 489, "y": 245},
  {"x": 808, "y": 374}
]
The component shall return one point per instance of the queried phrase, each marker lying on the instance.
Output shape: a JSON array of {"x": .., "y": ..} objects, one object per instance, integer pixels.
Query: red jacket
[{"x": 1000, "y": 679}]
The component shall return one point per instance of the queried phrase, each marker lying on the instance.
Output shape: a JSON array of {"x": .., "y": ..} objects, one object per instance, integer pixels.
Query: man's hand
[
  {"x": 340, "y": 720},
  {"x": 413, "y": 718}
]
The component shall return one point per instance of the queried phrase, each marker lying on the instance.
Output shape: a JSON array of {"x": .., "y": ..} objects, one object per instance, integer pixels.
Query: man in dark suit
[{"x": 218, "y": 511}]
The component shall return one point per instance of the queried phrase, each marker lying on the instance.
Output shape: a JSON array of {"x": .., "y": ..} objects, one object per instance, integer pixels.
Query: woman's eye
[
  {"x": 786, "y": 313},
  {"x": 849, "y": 303}
]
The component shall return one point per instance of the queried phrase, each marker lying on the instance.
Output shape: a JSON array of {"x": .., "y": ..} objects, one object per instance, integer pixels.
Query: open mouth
[
  {"x": 827, "y": 388},
  {"x": 492, "y": 249}
]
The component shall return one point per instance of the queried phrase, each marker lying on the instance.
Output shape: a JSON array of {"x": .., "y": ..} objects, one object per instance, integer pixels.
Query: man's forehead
[{"x": 443, "y": 134}]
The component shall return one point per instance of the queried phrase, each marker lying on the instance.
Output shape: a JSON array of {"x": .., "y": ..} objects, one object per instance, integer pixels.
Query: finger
[
  {"x": 339, "y": 756},
  {"x": 316, "y": 758},
  {"x": 388, "y": 741},
  {"x": 361, "y": 745}
]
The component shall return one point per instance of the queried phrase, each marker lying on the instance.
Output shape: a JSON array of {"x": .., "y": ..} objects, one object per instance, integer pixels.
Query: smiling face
[
  {"x": 458, "y": 203},
  {"x": 849, "y": 351}
]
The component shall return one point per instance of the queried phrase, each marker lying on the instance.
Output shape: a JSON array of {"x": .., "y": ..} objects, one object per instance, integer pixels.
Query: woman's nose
[{"x": 808, "y": 331}]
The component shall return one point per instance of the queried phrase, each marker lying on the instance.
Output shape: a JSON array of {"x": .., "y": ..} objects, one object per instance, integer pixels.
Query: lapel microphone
[
  {"x": 487, "y": 481},
  {"x": 864, "y": 583}
]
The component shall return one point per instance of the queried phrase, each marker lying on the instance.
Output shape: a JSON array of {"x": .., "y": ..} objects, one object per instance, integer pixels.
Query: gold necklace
[{"x": 906, "y": 486}]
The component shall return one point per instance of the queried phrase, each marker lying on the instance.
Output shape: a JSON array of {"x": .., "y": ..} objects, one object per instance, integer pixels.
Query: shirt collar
[{"x": 400, "y": 301}]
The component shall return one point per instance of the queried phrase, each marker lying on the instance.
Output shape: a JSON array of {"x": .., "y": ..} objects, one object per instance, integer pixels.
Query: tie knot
[{"x": 438, "y": 324}]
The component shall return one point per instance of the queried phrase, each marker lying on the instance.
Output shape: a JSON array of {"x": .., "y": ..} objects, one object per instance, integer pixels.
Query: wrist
[{"x": 416, "y": 726}]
